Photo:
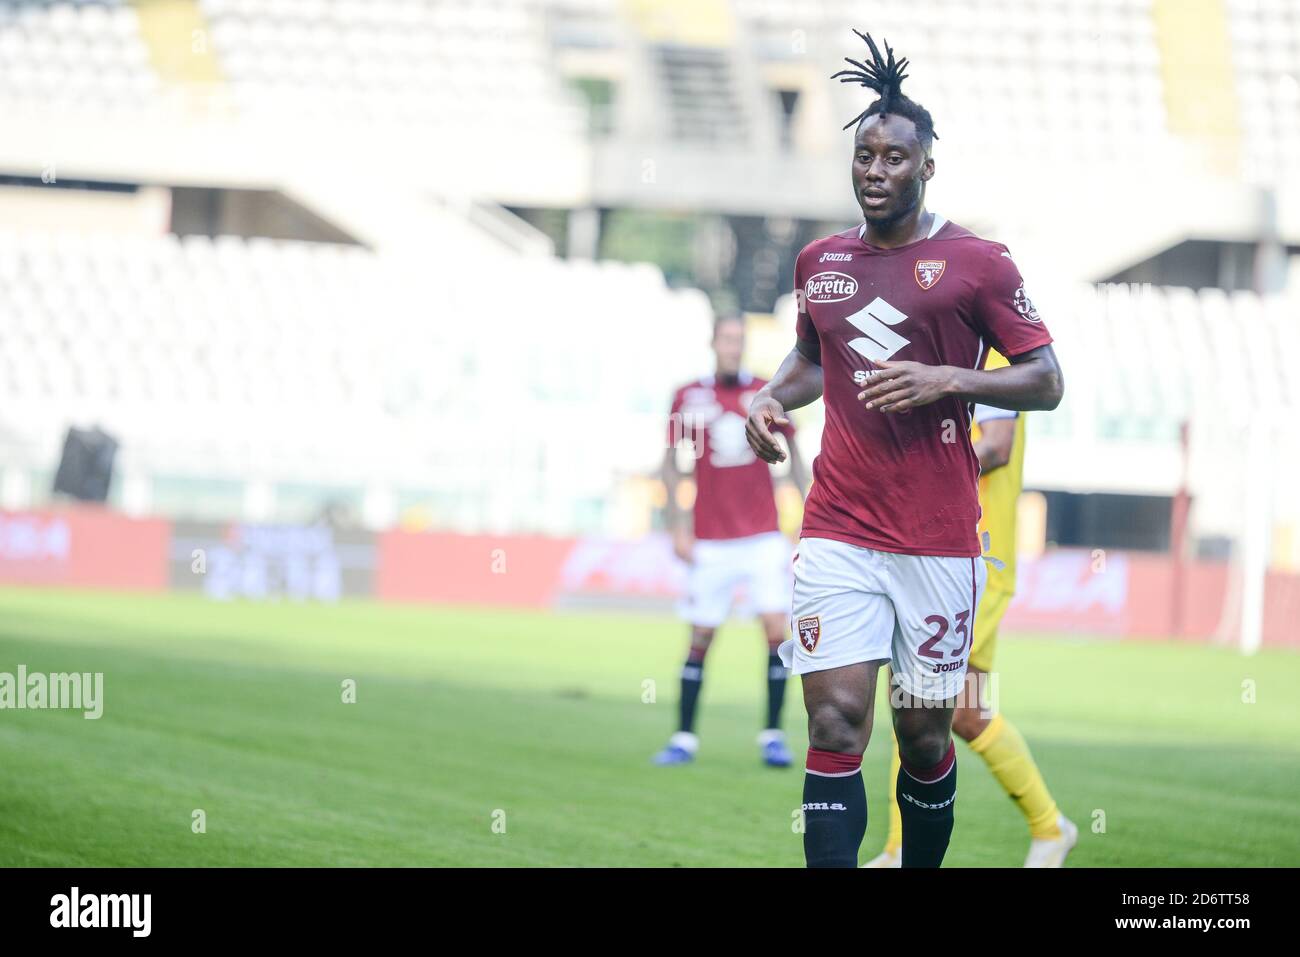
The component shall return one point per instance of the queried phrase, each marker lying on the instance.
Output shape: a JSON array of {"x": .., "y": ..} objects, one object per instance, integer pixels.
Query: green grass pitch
[{"x": 466, "y": 718}]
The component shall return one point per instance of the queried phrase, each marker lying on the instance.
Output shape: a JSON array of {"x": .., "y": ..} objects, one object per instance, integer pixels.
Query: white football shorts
[
  {"x": 854, "y": 604},
  {"x": 755, "y": 569}
]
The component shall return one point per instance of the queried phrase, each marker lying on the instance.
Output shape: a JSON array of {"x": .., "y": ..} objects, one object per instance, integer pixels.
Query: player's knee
[
  {"x": 774, "y": 629},
  {"x": 922, "y": 747},
  {"x": 829, "y": 731},
  {"x": 838, "y": 724},
  {"x": 701, "y": 638}
]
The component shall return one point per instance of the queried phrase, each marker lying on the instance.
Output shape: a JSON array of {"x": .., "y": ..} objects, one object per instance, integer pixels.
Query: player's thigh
[
  {"x": 711, "y": 583},
  {"x": 840, "y": 615},
  {"x": 993, "y": 605},
  {"x": 770, "y": 574},
  {"x": 935, "y": 599},
  {"x": 839, "y": 704}
]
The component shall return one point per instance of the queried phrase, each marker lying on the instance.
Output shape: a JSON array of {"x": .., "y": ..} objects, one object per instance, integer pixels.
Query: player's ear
[{"x": 927, "y": 169}]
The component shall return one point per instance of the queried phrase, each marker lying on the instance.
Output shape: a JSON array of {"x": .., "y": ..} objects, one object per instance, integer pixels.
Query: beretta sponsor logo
[{"x": 830, "y": 287}]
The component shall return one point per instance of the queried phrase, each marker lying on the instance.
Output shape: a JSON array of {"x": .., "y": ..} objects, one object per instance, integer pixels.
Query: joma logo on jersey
[
  {"x": 836, "y": 258},
  {"x": 830, "y": 287},
  {"x": 929, "y": 271},
  {"x": 810, "y": 632},
  {"x": 824, "y": 806}
]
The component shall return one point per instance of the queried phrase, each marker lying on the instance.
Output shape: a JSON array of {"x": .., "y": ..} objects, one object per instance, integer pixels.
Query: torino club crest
[
  {"x": 810, "y": 632},
  {"x": 929, "y": 271}
]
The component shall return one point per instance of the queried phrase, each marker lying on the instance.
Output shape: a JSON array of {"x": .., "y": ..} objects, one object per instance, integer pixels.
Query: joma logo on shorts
[
  {"x": 823, "y": 806},
  {"x": 948, "y": 666}
]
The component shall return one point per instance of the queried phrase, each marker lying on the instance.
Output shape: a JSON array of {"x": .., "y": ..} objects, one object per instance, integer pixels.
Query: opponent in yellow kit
[{"x": 999, "y": 440}]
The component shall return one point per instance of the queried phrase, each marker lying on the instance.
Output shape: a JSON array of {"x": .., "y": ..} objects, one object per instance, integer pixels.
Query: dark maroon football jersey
[
  {"x": 733, "y": 486},
  {"x": 904, "y": 482}
]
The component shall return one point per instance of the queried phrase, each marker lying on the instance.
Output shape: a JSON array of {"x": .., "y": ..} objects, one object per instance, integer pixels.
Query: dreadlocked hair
[{"x": 885, "y": 75}]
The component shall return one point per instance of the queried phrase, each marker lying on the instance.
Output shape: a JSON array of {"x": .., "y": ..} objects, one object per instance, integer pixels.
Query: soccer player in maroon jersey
[
  {"x": 895, "y": 317},
  {"x": 735, "y": 540}
]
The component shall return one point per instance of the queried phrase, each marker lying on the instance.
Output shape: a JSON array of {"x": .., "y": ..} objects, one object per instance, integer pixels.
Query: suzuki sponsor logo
[
  {"x": 830, "y": 287},
  {"x": 878, "y": 341},
  {"x": 728, "y": 446}
]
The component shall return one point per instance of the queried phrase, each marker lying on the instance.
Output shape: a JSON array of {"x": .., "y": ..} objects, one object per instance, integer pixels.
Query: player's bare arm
[
  {"x": 798, "y": 470},
  {"x": 798, "y": 382},
  {"x": 675, "y": 517},
  {"x": 993, "y": 447},
  {"x": 1032, "y": 382}
]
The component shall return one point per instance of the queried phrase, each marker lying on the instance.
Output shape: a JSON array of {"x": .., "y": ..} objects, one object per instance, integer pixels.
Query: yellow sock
[
  {"x": 894, "y": 843},
  {"x": 1007, "y": 755}
]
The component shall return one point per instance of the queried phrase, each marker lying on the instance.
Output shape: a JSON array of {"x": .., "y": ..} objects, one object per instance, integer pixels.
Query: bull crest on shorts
[
  {"x": 929, "y": 271},
  {"x": 810, "y": 631}
]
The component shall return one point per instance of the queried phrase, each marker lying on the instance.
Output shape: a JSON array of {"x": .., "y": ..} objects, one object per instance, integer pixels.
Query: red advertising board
[
  {"x": 83, "y": 546},
  {"x": 1139, "y": 594},
  {"x": 484, "y": 569},
  {"x": 1116, "y": 593}
]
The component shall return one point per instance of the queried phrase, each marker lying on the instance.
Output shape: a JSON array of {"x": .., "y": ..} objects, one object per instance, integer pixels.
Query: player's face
[
  {"x": 890, "y": 169},
  {"x": 729, "y": 346}
]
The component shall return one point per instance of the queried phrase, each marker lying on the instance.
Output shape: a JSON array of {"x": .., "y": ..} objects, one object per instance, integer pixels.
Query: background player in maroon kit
[
  {"x": 895, "y": 317},
  {"x": 735, "y": 539}
]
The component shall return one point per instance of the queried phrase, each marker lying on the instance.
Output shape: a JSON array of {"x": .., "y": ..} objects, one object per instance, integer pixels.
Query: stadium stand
[
  {"x": 89, "y": 55},
  {"x": 320, "y": 364},
  {"x": 397, "y": 323},
  {"x": 228, "y": 358},
  {"x": 1076, "y": 74},
  {"x": 1265, "y": 41},
  {"x": 455, "y": 64}
]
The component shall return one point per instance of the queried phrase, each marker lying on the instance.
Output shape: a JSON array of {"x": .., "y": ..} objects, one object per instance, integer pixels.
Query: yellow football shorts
[{"x": 992, "y": 606}]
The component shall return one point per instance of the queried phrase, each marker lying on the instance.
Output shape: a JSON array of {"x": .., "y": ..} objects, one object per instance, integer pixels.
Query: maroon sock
[
  {"x": 925, "y": 802},
  {"x": 834, "y": 809}
]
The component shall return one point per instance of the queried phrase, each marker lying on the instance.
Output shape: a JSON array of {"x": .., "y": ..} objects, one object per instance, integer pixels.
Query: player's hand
[
  {"x": 765, "y": 412},
  {"x": 684, "y": 546},
  {"x": 902, "y": 385}
]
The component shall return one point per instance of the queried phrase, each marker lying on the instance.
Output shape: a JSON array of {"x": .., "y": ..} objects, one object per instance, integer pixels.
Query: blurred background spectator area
[{"x": 438, "y": 264}]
